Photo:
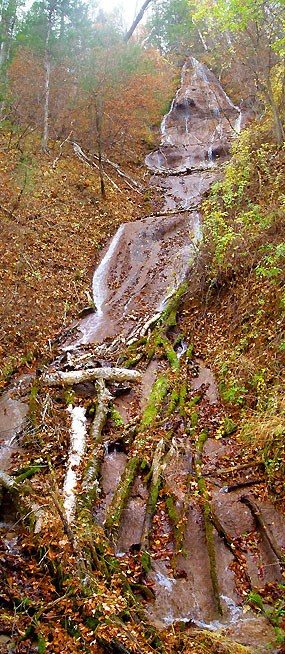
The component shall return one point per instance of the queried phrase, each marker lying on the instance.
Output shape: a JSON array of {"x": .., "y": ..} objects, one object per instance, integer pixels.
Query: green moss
[
  {"x": 182, "y": 399},
  {"x": 168, "y": 317},
  {"x": 209, "y": 531},
  {"x": 178, "y": 525},
  {"x": 194, "y": 417},
  {"x": 153, "y": 496},
  {"x": 116, "y": 416},
  {"x": 171, "y": 355},
  {"x": 69, "y": 396},
  {"x": 145, "y": 562},
  {"x": 26, "y": 473},
  {"x": 189, "y": 351},
  {"x": 195, "y": 400},
  {"x": 118, "y": 502},
  {"x": 41, "y": 644},
  {"x": 171, "y": 320},
  {"x": 158, "y": 392},
  {"x": 202, "y": 438},
  {"x": 174, "y": 399}
]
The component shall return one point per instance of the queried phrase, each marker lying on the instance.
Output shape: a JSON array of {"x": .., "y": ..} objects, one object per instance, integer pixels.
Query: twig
[
  {"x": 8, "y": 212},
  {"x": 225, "y": 471},
  {"x": 242, "y": 484},
  {"x": 60, "y": 150}
]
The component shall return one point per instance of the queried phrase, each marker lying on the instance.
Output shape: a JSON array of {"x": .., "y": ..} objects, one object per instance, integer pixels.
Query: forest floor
[{"x": 54, "y": 225}]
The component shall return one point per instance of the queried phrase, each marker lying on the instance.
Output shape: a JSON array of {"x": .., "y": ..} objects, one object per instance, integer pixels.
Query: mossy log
[
  {"x": 115, "y": 509},
  {"x": 168, "y": 316},
  {"x": 207, "y": 520},
  {"x": 91, "y": 473},
  {"x": 158, "y": 392},
  {"x": 210, "y": 542},
  {"x": 156, "y": 472}
]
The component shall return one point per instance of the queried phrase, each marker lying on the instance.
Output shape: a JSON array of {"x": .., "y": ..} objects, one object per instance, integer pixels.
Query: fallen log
[
  {"x": 8, "y": 482},
  {"x": 114, "y": 511},
  {"x": 202, "y": 486},
  {"x": 241, "y": 484},
  {"x": 77, "y": 448},
  {"x": 90, "y": 476},
  {"x": 156, "y": 472},
  {"x": 235, "y": 468},
  {"x": 60, "y": 378},
  {"x": 264, "y": 528}
]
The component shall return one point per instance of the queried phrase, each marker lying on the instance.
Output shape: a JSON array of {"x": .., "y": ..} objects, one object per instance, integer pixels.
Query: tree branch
[{"x": 137, "y": 20}]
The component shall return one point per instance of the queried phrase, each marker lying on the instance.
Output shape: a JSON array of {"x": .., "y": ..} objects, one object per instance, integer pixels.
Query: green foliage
[
  {"x": 116, "y": 416},
  {"x": 235, "y": 227},
  {"x": 272, "y": 262},
  {"x": 41, "y": 644},
  {"x": 170, "y": 25},
  {"x": 255, "y": 599}
]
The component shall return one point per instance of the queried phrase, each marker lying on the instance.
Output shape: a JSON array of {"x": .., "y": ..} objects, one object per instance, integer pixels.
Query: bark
[
  {"x": 264, "y": 528},
  {"x": 47, "y": 68},
  {"x": 207, "y": 521},
  {"x": 226, "y": 471},
  {"x": 116, "y": 507},
  {"x": 83, "y": 157},
  {"x": 76, "y": 453},
  {"x": 90, "y": 477},
  {"x": 156, "y": 470},
  {"x": 98, "y": 123},
  {"x": 137, "y": 20},
  {"x": 8, "y": 482},
  {"x": 242, "y": 484},
  {"x": 61, "y": 378}
]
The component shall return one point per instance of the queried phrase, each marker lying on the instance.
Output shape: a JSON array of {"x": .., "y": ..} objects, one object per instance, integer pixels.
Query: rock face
[
  {"x": 198, "y": 129},
  {"x": 147, "y": 260},
  {"x": 12, "y": 415}
]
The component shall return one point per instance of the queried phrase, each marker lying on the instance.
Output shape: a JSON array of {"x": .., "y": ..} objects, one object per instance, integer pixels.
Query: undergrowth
[{"x": 240, "y": 308}]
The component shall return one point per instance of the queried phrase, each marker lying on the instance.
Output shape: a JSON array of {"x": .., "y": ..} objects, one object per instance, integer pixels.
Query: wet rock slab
[
  {"x": 12, "y": 416},
  {"x": 145, "y": 263}
]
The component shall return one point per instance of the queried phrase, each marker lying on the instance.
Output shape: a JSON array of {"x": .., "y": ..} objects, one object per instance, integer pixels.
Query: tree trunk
[
  {"x": 98, "y": 122},
  {"x": 137, "y": 20},
  {"x": 47, "y": 68}
]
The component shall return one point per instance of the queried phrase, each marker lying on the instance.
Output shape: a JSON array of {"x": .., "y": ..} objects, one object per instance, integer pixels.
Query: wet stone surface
[{"x": 12, "y": 415}]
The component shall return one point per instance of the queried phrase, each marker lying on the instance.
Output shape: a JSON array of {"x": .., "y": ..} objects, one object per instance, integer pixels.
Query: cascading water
[{"x": 147, "y": 260}]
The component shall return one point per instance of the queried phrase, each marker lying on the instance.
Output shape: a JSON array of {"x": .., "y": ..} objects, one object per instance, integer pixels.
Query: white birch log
[
  {"x": 76, "y": 453},
  {"x": 60, "y": 378}
]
